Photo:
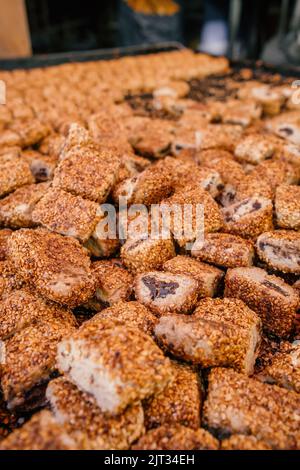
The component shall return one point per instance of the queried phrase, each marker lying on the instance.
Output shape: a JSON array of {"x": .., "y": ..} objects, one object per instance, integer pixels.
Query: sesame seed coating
[
  {"x": 249, "y": 218},
  {"x": 58, "y": 267},
  {"x": 132, "y": 313},
  {"x": 166, "y": 292},
  {"x": 113, "y": 283},
  {"x": 22, "y": 308},
  {"x": 42, "y": 432},
  {"x": 87, "y": 424},
  {"x": 4, "y": 236},
  {"x": 280, "y": 249},
  {"x": 9, "y": 279},
  {"x": 176, "y": 437},
  {"x": 212, "y": 218},
  {"x": 87, "y": 173},
  {"x": 66, "y": 214},
  {"x": 122, "y": 364},
  {"x": 221, "y": 332},
  {"x": 276, "y": 172},
  {"x": 140, "y": 255},
  {"x": 287, "y": 206},
  {"x": 30, "y": 359},
  {"x": 180, "y": 401},
  {"x": 251, "y": 186},
  {"x": 269, "y": 296},
  {"x": 14, "y": 173},
  {"x": 238, "y": 404},
  {"x": 16, "y": 208},
  {"x": 241, "y": 442},
  {"x": 148, "y": 187},
  {"x": 225, "y": 250},
  {"x": 254, "y": 148},
  {"x": 208, "y": 277},
  {"x": 284, "y": 369}
]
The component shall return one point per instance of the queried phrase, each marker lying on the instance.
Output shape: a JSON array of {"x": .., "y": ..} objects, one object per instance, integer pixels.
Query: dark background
[{"x": 58, "y": 26}]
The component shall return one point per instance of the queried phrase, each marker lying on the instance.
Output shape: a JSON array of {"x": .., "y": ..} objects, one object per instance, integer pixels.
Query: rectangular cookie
[
  {"x": 208, "y": 277},
  {"x": 180, "y": 401},
  {"x": 58, "y": 267},
  {"x": 248, "y": 218},
  {"x": 30, "y": 361},
  {"x": 113, "y": 283},
  {"x": 221, "y": 332},
  {"x": 287, "y": 206},
  {"x": 225, "y": 250},
  {"x": 66, "y": 214},
  {"x": 284, "y": 369},
  {"x": 116, "y": 363},
  {"x": 87, "y": 173},
  {"x": 22, "y": 308},
  {"x": 86, "y": 423},
  {"x": 139, "y": 254},
  {"x": 41, "y": 432},
  {"x": 238, "y": 404},
  {"x": 14, "y": 173},
  {"x": 131, "y": 313},
  {"x": 269, "y": 296},
  {"x": 177, "y": 437},
  {"x": 280, "y": 250},
  {"x": 164, "y": 292}
]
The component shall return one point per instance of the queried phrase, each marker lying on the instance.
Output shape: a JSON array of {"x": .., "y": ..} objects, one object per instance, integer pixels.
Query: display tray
[{"x": 47, "y": 60}]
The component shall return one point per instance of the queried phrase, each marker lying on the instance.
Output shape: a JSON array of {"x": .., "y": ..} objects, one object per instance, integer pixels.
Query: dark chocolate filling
[
  {"x": 160, "y": 289},
  {"x": 273, "y": 286}
]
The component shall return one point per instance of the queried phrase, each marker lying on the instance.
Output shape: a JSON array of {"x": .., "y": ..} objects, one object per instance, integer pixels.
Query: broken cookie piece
[
  {"x": 239, "y": 404},
  {"x": 221, "y": 332},
  {"x": 249, "y": 218},
  {"x": 165, "y": 292},
  {"x": 116, "y": 363},
  {"x": 58, "y": 267},
  {"x": 269, "y": 296},
  {"x": 86, "y": 423},
  {"x": 208, "y": 277},
  {"x": 177, "y": 437},
  {"x": 280, "y": 249},
  {"x": 225, "y": 250}
]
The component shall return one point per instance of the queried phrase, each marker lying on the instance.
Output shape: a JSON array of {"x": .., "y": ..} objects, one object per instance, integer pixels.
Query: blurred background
[{"x": 267, "y": 29}]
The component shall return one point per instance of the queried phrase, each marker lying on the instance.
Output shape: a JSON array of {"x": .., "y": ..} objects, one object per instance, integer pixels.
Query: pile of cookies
[{"x": 132, "y": 341}]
